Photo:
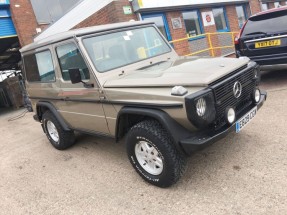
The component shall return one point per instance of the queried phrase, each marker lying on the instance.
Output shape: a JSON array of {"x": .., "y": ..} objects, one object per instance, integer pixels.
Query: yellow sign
[{"x": 267, "y": 43}]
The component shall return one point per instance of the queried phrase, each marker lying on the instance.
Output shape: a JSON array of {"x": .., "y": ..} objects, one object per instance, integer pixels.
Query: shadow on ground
[{"x": 274, "y": 79}]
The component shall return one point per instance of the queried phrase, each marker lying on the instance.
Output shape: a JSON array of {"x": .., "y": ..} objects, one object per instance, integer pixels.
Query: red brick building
[{"x": 184, "y": 18}]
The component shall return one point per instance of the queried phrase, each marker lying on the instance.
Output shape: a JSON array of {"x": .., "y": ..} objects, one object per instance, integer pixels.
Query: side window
[
  {"x": 220, "y": 19},
  {"x": 70, "y": 58},
  {"x": 39, "y": 67}
]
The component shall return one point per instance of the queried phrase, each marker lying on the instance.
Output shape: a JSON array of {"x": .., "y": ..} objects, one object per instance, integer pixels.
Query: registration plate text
[
  {"x": 241, "y": 123},
  {"x": 267, "y": 43}
]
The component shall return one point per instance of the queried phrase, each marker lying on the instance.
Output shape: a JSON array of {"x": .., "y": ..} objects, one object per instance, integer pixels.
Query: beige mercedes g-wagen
[{"x": 125, "y": 80}]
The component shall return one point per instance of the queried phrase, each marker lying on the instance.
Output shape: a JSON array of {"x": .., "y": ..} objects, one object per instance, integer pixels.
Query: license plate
[
  {"x": 267, "y": 43},
  {"x": 241, "y": 123}
]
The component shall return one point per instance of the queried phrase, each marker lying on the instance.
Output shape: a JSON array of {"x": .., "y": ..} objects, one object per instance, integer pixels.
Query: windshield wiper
[
  {"x": 151, "y": 65},
  {"x": 257, "y": 32}
]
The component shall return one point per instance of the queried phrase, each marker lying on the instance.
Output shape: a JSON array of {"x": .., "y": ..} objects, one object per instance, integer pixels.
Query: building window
[
  {"x": 241, "y": 15},
  {"x": 39, "y": 67},
  {"x": 70, "y": 58},
  {"x": 160, "y": 22},
  {"x": 247, "y": 11},
  {"x": 50, "y": 11},
  {"x": 220, "y": 19},
  {"x": 192, "y": 23},
  {"x": 277, "y": 4},
  {"x": 264, "y": 6}
]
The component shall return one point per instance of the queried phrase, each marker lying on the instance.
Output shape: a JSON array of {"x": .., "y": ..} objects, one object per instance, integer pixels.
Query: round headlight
[
  {"x": 230, "y": 115},
  {"x": 201, "y": 106},
  {"x": 257, "y": 95}
]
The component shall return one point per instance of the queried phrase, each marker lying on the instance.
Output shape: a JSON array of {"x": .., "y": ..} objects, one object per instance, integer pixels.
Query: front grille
[
  {"x": 224, "y": 96},
  {"x": 229, "y": 75}
]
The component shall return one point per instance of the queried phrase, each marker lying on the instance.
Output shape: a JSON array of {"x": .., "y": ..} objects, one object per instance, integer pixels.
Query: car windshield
[
  {"x": 114, "y": 50},
  {"x": 266, "y": 24}
]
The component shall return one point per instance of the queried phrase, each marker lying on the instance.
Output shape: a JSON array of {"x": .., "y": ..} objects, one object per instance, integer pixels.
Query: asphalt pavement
[{"x": 244, "y": 173}]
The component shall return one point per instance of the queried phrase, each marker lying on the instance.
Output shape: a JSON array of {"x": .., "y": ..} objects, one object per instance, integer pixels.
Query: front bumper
[{"x": 201, "y": 140}]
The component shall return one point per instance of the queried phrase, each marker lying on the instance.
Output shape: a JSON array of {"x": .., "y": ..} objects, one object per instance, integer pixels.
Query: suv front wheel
[
  {"x": 153, "y": 155},
  {"x": 57, "y": 136}
]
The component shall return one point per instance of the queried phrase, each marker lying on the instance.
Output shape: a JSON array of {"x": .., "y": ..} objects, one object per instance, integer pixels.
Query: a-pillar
[{"x": 182, "y": 48}]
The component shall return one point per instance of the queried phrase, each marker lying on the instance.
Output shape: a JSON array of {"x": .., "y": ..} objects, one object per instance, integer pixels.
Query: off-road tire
[
  {"x": 66, "y": 138},
  {"x": 174, "y": 162}
]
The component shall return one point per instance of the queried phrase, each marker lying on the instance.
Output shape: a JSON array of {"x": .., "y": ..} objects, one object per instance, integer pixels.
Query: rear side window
[
  {"x": 267, "y": 23},
  {"x": 39, "y": 67}
]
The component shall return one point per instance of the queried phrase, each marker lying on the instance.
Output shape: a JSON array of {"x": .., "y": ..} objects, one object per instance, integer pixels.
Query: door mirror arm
[{"x": 87, "y": 85}]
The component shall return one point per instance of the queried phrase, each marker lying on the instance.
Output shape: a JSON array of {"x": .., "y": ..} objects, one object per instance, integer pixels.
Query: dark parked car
[{"x": 263, "y": 38}]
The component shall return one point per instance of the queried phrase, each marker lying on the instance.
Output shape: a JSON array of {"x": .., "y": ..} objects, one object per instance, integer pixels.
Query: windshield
[
  {"x": 118, "y": 49},
  {"x": 267, "y": 23}
]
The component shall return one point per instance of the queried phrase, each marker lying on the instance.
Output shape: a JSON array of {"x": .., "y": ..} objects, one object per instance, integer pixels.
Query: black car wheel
[
  {"x": 57, "y": 136},
  {"x": 152, "y": 153}
]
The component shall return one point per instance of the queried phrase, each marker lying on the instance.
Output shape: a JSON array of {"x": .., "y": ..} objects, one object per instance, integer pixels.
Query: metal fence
[{"x": 205, "y": 45}]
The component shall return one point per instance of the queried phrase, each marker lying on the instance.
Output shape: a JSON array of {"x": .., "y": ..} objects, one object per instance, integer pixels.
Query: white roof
[{"x": 81, "y": 32}]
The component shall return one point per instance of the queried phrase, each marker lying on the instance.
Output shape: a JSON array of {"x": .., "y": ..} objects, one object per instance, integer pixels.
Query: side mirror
[{"x": 75, "y": 76}]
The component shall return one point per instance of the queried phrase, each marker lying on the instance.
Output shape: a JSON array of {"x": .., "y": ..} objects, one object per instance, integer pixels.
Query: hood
[{"x": 185, "y": 71}]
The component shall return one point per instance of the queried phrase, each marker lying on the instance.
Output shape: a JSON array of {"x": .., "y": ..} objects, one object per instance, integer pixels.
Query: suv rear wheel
[
  {"x": 57, "y": 136},
  {"x": 153, "y": 155}
]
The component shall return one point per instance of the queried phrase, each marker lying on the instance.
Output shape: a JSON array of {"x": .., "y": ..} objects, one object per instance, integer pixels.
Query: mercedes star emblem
[{"x": 237, "y": 89}]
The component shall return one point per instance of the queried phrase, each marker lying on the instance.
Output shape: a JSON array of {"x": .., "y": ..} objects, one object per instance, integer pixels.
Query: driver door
[{"x": 81, "y": 106}]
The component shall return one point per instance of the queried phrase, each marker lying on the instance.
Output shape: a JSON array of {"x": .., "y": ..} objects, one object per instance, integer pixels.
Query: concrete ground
[{"x": 241, "y": 174}]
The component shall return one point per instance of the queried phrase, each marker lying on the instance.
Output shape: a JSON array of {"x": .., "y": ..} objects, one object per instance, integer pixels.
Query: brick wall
[
  {"x": 112, "y": 13},
  {"x": 271, "y": 5},
  {"x": 26, "y": 24},
  {"x": 255, "y": 6},
  {"x": 24, "y": 20},
  {"x": 182, "y": 47},
  {"x": 232, "y": 18}
]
